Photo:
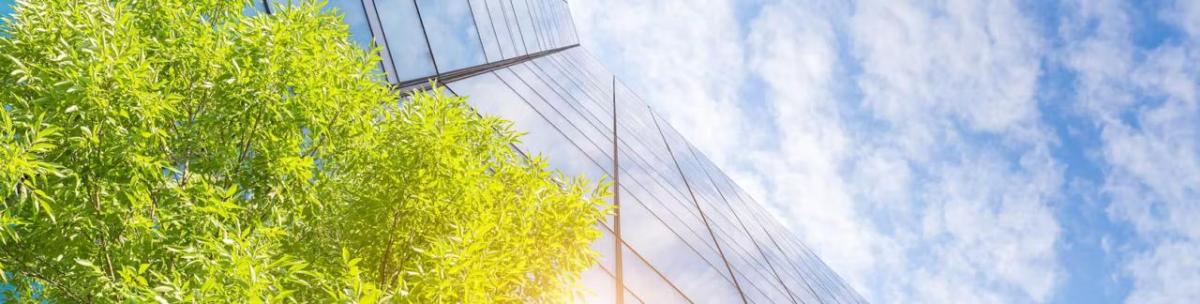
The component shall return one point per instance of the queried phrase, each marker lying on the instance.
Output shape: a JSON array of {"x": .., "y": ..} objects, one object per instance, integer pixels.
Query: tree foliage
[{"x": 183, "y": 151}]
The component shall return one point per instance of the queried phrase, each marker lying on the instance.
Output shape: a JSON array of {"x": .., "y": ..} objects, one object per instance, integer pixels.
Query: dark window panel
[
  {"x": 405, "y": 38},
  {"x": 453, "y": 37}
]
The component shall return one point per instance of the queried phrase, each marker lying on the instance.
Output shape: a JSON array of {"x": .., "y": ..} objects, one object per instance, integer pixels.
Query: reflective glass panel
[
  {"x": 514, "y": 27},
  {"x": 492, "y": 96},
  {"x": 355, "y": 16},
  {"x": 254, "y": 8},
  {"x": 598, "y": 286},
  {"x": 352, "y": 11},
  {"x": 528, "y": 29},
  {"x": 504, "y": 38},
  {"x": 452, "y": 34},
  {"x": 405, "y": 39},
  {"x": 642, "y": 279},
  {"x": 487, "y": 33}
]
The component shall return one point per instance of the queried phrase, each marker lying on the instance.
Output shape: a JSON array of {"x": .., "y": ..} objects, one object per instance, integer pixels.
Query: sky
[{"x": 946, "y": 151}]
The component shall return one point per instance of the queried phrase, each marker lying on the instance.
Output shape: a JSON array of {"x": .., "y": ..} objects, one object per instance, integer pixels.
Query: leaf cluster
[{"x": 184, "y": 151}]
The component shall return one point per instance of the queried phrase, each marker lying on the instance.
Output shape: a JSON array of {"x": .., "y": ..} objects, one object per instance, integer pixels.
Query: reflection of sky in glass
[
  {"x": 486, "y": 33},
  {"x": 452, "y": 34},
  {"x": 500, "y": 25},
  {"x": 490, "y": 96},
  {"x": 528, "y": 33},
  {"x": 405, "y": 40},
  {"x": 353, "y": 14}
]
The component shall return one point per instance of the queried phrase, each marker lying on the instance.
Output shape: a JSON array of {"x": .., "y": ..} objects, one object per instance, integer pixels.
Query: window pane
[
  {"x": 405, "y": 39},
  {"x": 514, "y": 29},
  {"x": 500, "y": 24},
  {"x": 483, "y": 20},
  {"x": 452, "y": 34},
  {"x": 353, "y": 15},
  {"x": 598, "y": 286},
  {"x": 258, "y": 6},
  {"x": 492, "y": 96},
  {"x": 528, "y": 33}
]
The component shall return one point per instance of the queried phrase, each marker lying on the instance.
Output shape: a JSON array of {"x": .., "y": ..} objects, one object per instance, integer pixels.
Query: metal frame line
[
  {"x": 423, "y": 83},
  {"x": 616, "y": 172}
]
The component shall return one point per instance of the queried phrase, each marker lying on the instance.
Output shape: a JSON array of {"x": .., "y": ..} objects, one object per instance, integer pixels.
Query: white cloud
[
  {"x": 1144, "y": 102},
  {"x": 902, "y": 144},
  {"x": 1167, "y": 274}
]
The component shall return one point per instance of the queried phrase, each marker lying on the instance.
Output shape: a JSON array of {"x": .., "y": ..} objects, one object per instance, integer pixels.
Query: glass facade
[{"x": 685, "y": 233}]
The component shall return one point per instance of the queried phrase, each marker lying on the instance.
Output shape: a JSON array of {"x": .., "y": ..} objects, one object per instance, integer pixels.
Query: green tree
[{"x": 182, "y": 151}]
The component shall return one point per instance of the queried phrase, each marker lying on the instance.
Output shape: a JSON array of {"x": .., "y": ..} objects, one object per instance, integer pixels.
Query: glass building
[{"x": 684, "y": 232}]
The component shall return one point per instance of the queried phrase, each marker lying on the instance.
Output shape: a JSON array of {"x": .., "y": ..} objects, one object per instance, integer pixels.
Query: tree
[{"x": 180, "y": 150}]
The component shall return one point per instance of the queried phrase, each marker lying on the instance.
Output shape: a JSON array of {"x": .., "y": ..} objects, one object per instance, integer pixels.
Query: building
[{"x": 684, "y": 231}]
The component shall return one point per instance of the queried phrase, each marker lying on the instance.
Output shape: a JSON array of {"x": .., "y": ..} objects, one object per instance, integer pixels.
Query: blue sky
[{"x": 944, "y": 151}]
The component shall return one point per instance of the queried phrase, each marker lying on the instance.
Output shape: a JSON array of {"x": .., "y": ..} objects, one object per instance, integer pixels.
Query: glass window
[
  {"x": 647, "y": 283},
  {"x": 405, "y": 39},
  {"x": 528, "y": 29},
  {"x": 452, "y": 34},
  {"x": 535, "y": 15},
  {"x": 492, "y": 96},
  {"x": 252, "y": 9},
  {"x": 514, "y": 27},
  {"x": 552, "y": 24},
  {"x": 572, "y": 135},
  {"x": 496, "y": 16},
  {"x": 568, "y": 30},
  {"x": 354, "y": 15},
  {"x": 663, "y": 251},
  {"x": 563, "y": 107},
  {"x": 487, "y": 33},
  {"x": 598, "y": 285}
]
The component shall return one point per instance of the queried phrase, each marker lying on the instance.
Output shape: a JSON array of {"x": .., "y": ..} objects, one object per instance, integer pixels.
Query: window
[
  {"x": 452, "y": 34},
  {"x": 405, "y": 39},
  {"x": 354, "y": 15},
  {"x": 487, "y": 31}
]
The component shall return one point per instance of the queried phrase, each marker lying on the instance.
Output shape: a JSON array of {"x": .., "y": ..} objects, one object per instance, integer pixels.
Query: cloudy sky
[{"x": 948, "y": 151}]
